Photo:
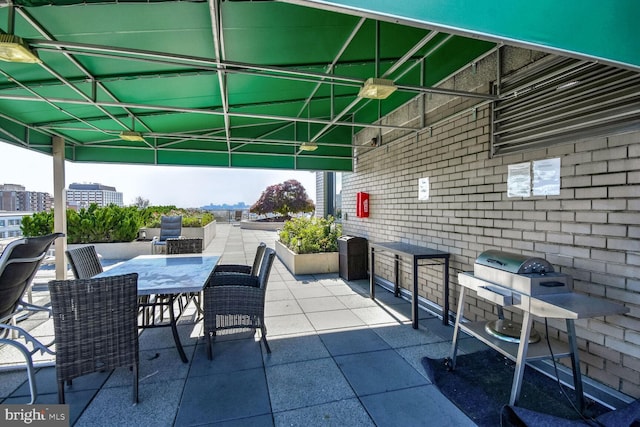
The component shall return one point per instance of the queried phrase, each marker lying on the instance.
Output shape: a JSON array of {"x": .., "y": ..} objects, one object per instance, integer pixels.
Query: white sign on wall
[
  {"x": 423, "y": 189},
  {"x": 519, "y": 180},
  {"x": 546, "y": 177}
]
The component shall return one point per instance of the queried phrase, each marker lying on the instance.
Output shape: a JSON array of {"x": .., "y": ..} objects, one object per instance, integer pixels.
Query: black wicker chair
[
  {"x": 84, "y": 261},
  {"x": 244, "y": 269},
  {"x": 233, "y": 301},
  {"x": 96, "y": 327},
  {"x": 19, "y": 263},
  {"x": 184, "y": 246}
]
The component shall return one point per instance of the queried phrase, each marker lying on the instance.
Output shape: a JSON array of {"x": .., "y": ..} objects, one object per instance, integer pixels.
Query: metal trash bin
[{"x": 354, "y": 257}]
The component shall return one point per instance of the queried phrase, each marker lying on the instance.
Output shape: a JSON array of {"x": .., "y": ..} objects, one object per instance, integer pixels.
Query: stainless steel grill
[{"x": 531, "y": 285}]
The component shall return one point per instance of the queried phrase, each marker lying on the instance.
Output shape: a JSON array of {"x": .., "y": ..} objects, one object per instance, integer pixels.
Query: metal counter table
[{"x": 413, "y": 254}]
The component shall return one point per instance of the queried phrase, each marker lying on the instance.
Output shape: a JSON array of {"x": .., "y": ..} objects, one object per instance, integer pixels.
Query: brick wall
[{"x": 590, "y": 231}]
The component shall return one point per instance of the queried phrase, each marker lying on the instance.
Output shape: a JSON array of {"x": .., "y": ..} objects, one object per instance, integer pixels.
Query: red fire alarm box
[{"x": 362, "y": 205}]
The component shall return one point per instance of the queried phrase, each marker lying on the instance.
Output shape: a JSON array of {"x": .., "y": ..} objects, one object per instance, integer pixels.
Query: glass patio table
[{"x": 168, "y": 278}]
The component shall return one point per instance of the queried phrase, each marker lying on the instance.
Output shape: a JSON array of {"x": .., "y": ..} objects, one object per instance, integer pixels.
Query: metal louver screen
[{"x": 563, "y": 100}]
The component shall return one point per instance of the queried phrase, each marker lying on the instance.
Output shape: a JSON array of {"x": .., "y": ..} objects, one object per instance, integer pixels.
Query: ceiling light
[
  {"x": 377, "y": 89},
  {"x": 14, "y": 49},
  {"x": 308, "y": 146},
  {"x": 131, "y": 136}
]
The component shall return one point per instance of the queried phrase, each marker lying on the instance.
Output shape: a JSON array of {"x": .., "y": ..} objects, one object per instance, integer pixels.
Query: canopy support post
[{"x": 59, "y": 206}]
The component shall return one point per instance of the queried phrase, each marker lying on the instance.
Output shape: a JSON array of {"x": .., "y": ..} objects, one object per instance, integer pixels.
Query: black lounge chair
[
  {"x": 19, "y": 263},
  {"x": 170, "y": 228}
]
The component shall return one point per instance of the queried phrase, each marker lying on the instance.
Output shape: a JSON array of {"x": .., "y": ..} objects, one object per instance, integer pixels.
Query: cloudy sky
[{"x": 162, "y": 185}]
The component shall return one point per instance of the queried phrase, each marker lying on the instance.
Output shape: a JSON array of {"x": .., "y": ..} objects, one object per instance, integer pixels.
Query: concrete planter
[
  {"x": 261, "y": 225},
  {"x": 206, "y": 233},
  {"x": 128, "y": 250},
  {"x": 319, "y": 263},
  {"x": 120, "y": 250}
]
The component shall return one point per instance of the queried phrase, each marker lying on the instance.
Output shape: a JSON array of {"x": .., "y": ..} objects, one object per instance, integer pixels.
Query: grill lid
[{"x": 514, "y": 263}]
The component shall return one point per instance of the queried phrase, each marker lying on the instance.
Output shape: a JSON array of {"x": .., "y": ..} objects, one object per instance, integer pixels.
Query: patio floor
[{"x": 338, "y": 359}]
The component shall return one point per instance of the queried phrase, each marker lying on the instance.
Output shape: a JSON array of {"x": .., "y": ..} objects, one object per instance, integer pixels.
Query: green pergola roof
[{"x": 218, "y": 83}]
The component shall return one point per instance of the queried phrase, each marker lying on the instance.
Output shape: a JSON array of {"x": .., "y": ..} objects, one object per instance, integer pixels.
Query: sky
[{"x": 184, "y": 187}]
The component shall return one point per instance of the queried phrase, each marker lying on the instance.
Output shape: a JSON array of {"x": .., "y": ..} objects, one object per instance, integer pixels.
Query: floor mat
[{"x": 481, "y": 384}]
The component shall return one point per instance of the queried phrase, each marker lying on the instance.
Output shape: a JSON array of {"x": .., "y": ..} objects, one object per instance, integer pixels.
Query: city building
[
  {"x": 15, "y": 197},
  {"x": 82, "y": 195},
  {"x": 10, "y": 223}
]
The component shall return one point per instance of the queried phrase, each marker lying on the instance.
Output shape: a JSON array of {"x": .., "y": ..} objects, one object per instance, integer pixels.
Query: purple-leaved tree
[{"x": 289, "y": 197}]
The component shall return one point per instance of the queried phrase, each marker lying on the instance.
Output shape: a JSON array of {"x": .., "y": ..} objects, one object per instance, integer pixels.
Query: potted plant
[{"x": 309, "y": 245}]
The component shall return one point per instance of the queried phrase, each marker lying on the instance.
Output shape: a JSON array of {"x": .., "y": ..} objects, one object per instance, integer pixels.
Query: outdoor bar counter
[{"x": 411, "y": 254}]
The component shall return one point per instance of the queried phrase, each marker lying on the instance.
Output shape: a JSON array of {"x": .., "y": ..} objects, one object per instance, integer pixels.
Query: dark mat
[{"x": 481, "y": 385}]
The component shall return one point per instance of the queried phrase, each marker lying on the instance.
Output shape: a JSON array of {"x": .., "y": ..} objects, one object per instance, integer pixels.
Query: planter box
[
  {"x": 261, "y": 225},
  {"x": 206, "y": 233},
  {"x": 320, "y": 263},
  {"x": 121, "y": 250}
]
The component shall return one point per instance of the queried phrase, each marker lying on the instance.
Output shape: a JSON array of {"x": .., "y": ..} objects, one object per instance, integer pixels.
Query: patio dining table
[{"x": 169, "y": 276}]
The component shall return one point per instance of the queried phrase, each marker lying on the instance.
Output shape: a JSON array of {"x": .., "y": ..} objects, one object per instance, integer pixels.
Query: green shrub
[
  {"x": 103, "y": 225},
  {"x": 111, "y": 223},
  {"x": 38, "y": 224},
  {"x": 190, "y": 217},
  {"x": 311, "y": 235}
]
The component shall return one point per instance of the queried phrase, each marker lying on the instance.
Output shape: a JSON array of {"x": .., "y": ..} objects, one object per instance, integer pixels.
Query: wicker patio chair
[
  {"x": 170, "y": 228},
  {"x": 237, "y": 302},
  {"x": 184, "y": 246},
  {"x": 19, "y": 263},
  {"x": 96, "y": 327},
  {"x": 84, "y": 261},
  {"x": 244, "y": 269}
]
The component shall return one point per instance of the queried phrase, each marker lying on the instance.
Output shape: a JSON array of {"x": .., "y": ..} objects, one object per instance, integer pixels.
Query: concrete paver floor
[{"x": 338, "y": 358}]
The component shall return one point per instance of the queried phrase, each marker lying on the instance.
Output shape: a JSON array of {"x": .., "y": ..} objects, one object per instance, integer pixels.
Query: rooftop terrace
[{"x": 338, "y": 358}]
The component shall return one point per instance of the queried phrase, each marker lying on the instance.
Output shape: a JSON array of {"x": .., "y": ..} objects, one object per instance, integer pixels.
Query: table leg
[
  {"x": 372, "y": 271},
  {"x": 414, "y": 296},
  {"x": 445, "y": 311},
  {"x": 174, "y": 328}
]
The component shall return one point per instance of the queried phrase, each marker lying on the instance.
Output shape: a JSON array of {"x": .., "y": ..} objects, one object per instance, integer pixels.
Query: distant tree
[
  {"x": 286, "y": 198},
  {"x": 140, "y": 202}
]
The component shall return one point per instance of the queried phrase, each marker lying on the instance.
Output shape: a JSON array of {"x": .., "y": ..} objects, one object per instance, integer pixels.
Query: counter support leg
[
  {"x": 372, "y": 272},
  {"x": 575, "y": 363},
  {"x": 396, "y": 275},
  {"x": 445, "y": 286},
  {"x": 414, "y": 296}
]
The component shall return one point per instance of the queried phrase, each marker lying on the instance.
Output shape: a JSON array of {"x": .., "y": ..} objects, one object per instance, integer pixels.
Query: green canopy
[
  {"x": 232, "y": 84},
  {"x": 244, "y": 83}
]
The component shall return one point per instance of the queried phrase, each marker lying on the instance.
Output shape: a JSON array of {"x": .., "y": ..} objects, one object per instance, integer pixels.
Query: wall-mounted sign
[
  {"x": 546, "y": 177},
  {"x": 423, "y": 189},
  {"x": 519, "y": 180}
]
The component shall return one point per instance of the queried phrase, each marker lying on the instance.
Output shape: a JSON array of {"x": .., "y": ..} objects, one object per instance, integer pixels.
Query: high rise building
[
  {"x": 82, "y": 195},
  {"x": 14, "y": 197}
]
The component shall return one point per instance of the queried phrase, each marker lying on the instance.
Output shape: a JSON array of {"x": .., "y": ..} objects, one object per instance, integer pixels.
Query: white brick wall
[{"x": 590, "y": 231}]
